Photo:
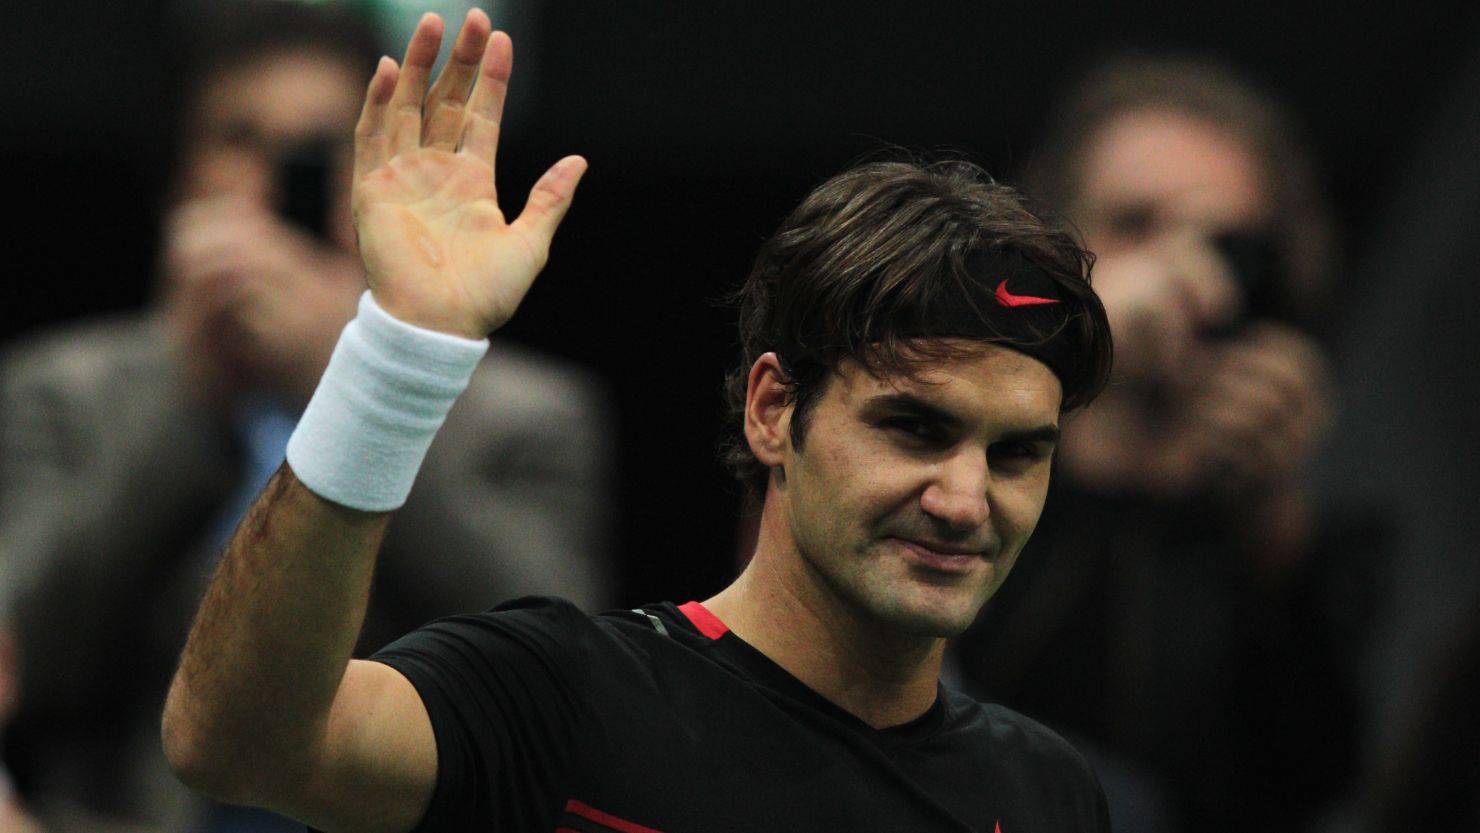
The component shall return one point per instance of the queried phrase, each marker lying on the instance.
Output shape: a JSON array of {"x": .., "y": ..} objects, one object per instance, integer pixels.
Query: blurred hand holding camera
[
  {"x": 256, "y": 303},
  {"x": 1212, "y": 394},
  {"x": 1161, "y": 298},
  {"x": 1212, "y": 400}
]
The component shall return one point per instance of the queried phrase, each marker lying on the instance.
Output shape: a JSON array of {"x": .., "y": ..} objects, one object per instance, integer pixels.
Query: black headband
[{"x": 1002, "y": 298}]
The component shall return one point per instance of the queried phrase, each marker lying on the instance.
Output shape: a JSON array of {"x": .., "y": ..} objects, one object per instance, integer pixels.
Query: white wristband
[{"x": 385, "y": 393}]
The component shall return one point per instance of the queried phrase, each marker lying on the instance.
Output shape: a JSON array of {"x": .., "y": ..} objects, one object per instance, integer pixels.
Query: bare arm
[
  {"x": 267, "y": 707},
  {"x": 267, "y": 669}
]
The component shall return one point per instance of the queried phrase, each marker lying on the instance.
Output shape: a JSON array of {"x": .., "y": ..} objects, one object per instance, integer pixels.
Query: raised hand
[{"x": 437, "y": 249}]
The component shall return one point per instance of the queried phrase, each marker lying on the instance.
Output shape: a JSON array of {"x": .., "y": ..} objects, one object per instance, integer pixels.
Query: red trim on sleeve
[
  {"x": 586, "y": 811},
  {"x": 707, "y": 623}
]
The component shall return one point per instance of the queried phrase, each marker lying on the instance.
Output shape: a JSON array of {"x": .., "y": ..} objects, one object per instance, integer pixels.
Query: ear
[{"x": 768, "y": 411}]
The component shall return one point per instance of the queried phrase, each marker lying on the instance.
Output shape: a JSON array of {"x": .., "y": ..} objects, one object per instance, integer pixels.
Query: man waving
[{"x": 896, "y": 407}]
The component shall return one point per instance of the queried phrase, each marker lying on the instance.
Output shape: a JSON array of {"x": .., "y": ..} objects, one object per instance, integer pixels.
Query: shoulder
[
  {"x": 522, "y": 405},
  {"x": 111, "y": 377},
  {"x": 538, "y": 659},
  {"x": 531, "y": 614},
  {"x": 1025, "y": 741},
  {"x": 545, "y": 630},
  {"x": 508, "y": 693},
  {"x": 528, "y": 413},
  {"x": 106, "y": 350},
  {"x": 531, "y": 638},
  {"x": 522, "y": 382},
  {"x": 1034, "y": 772}
]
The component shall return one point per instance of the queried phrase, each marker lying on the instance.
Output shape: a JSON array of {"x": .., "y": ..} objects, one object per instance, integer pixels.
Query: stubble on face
[{"x": 911, "y": 497}]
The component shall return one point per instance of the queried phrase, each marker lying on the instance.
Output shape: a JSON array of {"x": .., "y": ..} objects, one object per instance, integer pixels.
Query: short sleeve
[{"x": 506, "y": 693}]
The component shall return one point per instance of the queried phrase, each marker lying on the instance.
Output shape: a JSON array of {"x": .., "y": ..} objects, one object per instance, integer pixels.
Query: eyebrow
[
  {"x": 915, "y": 406},
  {"x": 1042, "y": 434}
]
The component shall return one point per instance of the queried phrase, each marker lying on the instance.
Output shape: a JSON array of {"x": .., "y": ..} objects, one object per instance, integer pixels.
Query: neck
[{"x": 783, "y": 608}]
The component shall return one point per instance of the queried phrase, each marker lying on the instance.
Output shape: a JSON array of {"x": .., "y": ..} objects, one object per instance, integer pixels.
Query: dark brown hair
[{"x": 858, "y": 270}]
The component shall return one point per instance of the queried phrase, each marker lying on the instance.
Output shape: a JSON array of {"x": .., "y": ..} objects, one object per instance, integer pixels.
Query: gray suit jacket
[{"x": 110, "y": 475}]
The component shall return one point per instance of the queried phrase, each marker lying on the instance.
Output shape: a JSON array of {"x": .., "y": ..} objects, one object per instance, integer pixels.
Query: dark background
[{"x": 704, "y": 122}]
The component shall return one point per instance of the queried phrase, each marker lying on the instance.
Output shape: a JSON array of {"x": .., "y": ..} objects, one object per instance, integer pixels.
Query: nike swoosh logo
[{"x": 1007, "y": 299}]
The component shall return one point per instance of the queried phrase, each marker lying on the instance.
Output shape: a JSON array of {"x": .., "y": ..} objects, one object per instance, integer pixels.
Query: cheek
[
  {"x": 879, "y": 486},
  {"x": 842, "y": 492},
  {"x": 1018, "y": 508}
]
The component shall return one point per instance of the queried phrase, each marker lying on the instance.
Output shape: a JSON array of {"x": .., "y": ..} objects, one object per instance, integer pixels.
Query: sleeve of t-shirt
[{"x": 505, "y": 691}]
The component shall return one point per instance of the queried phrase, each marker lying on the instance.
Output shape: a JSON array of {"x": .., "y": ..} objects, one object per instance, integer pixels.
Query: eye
[
  {"x": 1131, "y": 223},
  {"x": 914, "y": 429},
  {"x": 1019, "y": 454},
  {"x": 240, "y": 133}
]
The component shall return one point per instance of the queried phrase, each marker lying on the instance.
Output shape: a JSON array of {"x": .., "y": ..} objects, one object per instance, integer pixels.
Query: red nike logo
[{"x": 1007, "y": 299}]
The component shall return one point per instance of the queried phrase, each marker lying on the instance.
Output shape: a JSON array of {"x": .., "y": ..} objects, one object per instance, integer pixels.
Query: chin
[{"x": 927, "y": 618}]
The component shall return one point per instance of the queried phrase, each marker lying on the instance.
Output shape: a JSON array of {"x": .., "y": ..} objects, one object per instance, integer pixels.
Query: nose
[
  {"x": 958, "y": 494},
  {"x": 242, "y": 173}
]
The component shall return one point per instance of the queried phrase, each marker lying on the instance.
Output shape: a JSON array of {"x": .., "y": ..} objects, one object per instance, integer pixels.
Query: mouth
[{"x": 941, "y": 557}]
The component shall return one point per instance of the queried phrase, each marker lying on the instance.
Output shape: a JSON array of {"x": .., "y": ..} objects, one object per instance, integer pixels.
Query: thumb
[{"x": 550, "y": 199}]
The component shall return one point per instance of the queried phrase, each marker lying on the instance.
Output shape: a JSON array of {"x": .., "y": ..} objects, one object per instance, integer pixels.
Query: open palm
[{"x": 437, "y": 249}]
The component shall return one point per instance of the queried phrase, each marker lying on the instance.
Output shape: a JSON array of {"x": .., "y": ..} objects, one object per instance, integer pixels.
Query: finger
[
  {"x": 1250, "y": 404},
  {"x": 1150, "y": 312},
  {"x": 372, "y": 142},
  {"x": 224, "y": 209},
  {"x": 1233, "y": 452},
  {"x": 203, "y": 235},
  {"x": 1251, "y": 426},
  {"x": 550, "y": 199},
  {"x": 443, "y": 114},
  {"x": 1301, "y": 353},
  {"x": 1260, "y": 382},
  {"x": 1287, "y": 362},
  {"x": 1297, "y": 398},
  {"x": 411, "y": 87},
  {"x": 1208, "y": 285},
  {"x": 486, "y": 106}
]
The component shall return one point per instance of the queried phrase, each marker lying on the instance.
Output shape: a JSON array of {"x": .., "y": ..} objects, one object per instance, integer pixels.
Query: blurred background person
[
  {"x": 1171, "y": 608},
  {"x": 130, "y": 446}
]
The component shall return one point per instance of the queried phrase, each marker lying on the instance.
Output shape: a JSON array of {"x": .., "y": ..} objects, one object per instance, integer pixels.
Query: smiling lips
[{"x": 945, "y": 558}]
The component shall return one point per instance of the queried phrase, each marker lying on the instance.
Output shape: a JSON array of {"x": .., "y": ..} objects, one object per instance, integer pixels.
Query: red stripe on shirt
[
  {"x": 586, "y": 811},
  {"x": 707, "y": 623}
]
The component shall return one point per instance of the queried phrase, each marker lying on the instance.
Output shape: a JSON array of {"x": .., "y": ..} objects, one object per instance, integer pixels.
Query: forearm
[
  {"x": 248, "y": 713},
  {"x": 265, "y": 686},
  {"x": 250, "y": 702}
]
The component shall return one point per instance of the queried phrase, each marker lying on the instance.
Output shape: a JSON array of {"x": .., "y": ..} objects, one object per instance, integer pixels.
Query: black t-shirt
[{"x": 662, "y": 720}]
